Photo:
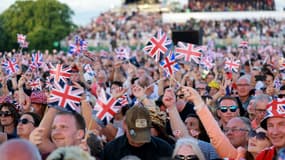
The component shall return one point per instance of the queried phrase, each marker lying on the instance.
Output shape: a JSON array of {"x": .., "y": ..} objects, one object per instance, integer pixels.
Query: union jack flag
[
  {"x": 275, "y": 108},
  {"x": 37, "y": 59},
  {"x": 158, "y": 46},
  {"x": 36, "y": 84},
  {"x": 189, "y": 52},
  {"x": 10, "y": 66},
  {"x": 169, "y": 64},
  {"x": 122, "y": 101},
  {"x": 122, "y": 53},
  {"x": 105, "y": 109},
  {"x": 232, "y": 65},
  {"x": 89, "y": 70},
  {"x": 60, "y": 72},
  {"x": 21, "y": 38},
  {"x": 65, "y": 96},
  {"x": 48, "y": 83},
  {"x": 78, "y": 47},
  {"x": 206, "y": 63},
  {"x": 24, "y": 45},
  {"x": 243, "y": 44}
]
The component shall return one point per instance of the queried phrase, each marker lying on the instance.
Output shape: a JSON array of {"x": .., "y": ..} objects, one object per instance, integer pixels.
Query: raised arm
[
  {"x": 41, "y": 135},
  {"x": 218, "y": 139},
  {"x": 178, "y": 127}
]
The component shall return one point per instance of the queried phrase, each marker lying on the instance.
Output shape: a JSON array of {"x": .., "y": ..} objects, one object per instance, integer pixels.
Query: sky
[{"x": 84, "y": 10}]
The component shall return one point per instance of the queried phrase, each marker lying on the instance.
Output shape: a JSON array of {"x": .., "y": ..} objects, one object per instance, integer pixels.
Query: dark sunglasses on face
[
  {"x": 180, "y": 95},
  {"x": 258, "y": 135},
  {"x": 25, "y": 121},
  {"x": 281, "y": 95},
  {"x": 224, "y": 109},
  {"x": 187, "y": 157},
  {"x": 5, "y": 113}
]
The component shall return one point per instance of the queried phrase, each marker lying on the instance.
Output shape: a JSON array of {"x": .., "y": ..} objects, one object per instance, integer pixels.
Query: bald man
[{"x": 19, "y": 149}]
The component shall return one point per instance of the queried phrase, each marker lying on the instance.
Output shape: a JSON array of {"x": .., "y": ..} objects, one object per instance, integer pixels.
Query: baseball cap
[
  {"x": 139, "y": 123},
  {"x": 276, "y": 108}
]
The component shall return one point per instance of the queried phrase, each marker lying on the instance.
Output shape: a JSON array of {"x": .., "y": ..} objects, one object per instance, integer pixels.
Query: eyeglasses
[
  {"x": 180, "y": 96},
  {"x": 25, "y": 121},
  {"x": 242, "y": 85},
  {"x": 185, "y": 157},
  {"x": 281, "y": 95},
  {"x": 226, "y": 130},
  {"x": 224, "y": 109},
  {"x": 258, "y": 135},
  {"x": 5, "y": 113}
]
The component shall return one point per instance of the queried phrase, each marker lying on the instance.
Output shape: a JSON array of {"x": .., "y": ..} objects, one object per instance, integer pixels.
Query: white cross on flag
[
  {"x": 106, "y": 109},
  {"x": 36, "y": 84},
  {"x": 232, "y": 65},
  {"x": 189, "y": 52},
  {"x": 158, "y": 45},
  {"x": 60, "y": 72},
  {"x": 65, "y": 96}
]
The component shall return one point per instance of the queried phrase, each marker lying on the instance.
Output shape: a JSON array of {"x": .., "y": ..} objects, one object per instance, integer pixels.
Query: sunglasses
[
  {"x": 258, "y": 135},
  {"x": 25, "y": 121},
  {"x": 224, "y": 109},
  {"x": 180, "y": 96},
  {"x": 185, "y": 157},
  {"x": 5, "y": 113},
  {"x": 281, "y": 95}
]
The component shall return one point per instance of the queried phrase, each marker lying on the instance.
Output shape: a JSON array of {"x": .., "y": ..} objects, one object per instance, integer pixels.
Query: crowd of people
[
  {"x": 230, "y": 5},
  {"x": 133, "y": 29},
  {"x": 196, "y": 113}
]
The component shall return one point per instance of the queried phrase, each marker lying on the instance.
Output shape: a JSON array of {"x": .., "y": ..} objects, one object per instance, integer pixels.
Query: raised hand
[
  {"x": 118, "y": 92},
  {"x": 192, "y": 95},
  {"x": 36, "y": 136},
  {"x": 169, "y": 98}
]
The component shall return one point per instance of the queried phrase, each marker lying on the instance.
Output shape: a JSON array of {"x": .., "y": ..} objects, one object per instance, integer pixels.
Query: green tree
[{"x": 43, "y": 21}]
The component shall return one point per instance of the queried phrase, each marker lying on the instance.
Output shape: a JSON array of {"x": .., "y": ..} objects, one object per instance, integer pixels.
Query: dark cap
[{"x": 139, "y": 124}]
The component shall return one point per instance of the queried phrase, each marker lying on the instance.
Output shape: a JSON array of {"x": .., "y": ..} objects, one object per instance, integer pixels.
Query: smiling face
[
  {"x": 64, "y": 131},
  {"x": 229, "y": 114},
  {"x": 276, "y": 131},
  {"x": 258, "y": 141},
  {"x": 25, "y": 126}
]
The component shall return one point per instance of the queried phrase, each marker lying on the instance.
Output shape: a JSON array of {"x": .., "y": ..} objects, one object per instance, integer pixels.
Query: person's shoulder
[
  {"x": 160, "y": 142},
  {"x": 116, "y": 142}
]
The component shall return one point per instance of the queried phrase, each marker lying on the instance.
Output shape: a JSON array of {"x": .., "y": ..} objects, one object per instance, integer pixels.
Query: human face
[
  {"x": 64, "y": 131},
  {"x": 24, "y": 130},
  {"x": 6, "y": 117},
  {"x": 276, "y": 131},
  {"x": 192, "y": 125},
  {"x": 226, "y": 116},
  {"x": 251, "y": 109},
  {"x": 237, "y": 132},
  {"x": 268, "y": 80},
  {"x": 201, "y": 88},
  {"x": 256, "y": 143},
  {"x": 180, "y": 101},
  {"x": 243, "y": 87},
  {"x": 260, "y": 110},
  {"x": 184, "y": 151}
]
